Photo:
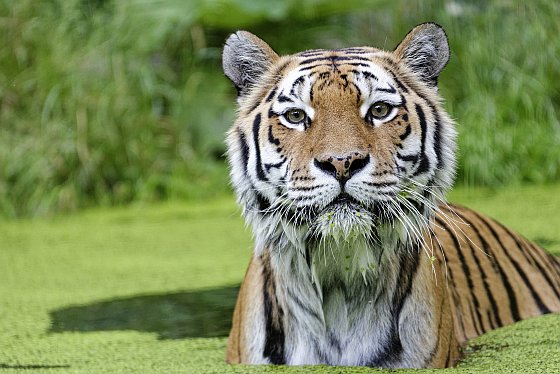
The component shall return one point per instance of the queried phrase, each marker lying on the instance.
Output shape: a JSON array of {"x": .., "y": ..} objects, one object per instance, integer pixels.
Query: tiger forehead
[
  {"x": 331, "y": 69},
  {"x": 336, "y": 53}
]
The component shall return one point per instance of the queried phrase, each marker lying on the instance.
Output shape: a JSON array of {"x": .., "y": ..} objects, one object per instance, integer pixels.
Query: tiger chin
[{"x": 340, "y": 160}]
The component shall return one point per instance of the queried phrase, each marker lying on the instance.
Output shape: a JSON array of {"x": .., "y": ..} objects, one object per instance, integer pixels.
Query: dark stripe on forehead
[
  {"x": 354, "y": 50},
  {"x": 296, "y": 83},
  {"x": 284, "y": 99},
  {"x": 358, "y": 64},
  {"x": 334, "y": 59},
  {"x": 311, "y": 67},
  {"x": 312, "y": 52},
  {"x": 391, "y": 89}
]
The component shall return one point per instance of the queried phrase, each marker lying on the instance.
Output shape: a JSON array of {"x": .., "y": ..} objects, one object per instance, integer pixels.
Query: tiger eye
[
  {"x": 295, "y": 116},
  {"x": 380, "y": 110}
]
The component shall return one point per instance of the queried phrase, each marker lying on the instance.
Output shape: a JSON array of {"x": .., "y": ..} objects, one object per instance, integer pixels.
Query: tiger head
[{"x": 339, "y": 143}]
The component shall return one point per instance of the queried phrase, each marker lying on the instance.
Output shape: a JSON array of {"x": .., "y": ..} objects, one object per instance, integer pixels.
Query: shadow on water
[{"x": 203, "y": 314}]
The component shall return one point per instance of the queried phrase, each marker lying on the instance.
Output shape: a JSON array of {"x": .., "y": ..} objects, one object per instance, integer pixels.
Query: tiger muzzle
[{"x": 342, "y": 168}]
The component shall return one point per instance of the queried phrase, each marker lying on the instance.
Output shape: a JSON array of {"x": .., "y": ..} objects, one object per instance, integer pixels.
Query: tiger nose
[{"x": 342, "y": 167}]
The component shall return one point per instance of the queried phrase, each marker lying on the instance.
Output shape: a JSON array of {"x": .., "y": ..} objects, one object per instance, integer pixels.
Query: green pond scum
[{"x": 151, "y": 289}]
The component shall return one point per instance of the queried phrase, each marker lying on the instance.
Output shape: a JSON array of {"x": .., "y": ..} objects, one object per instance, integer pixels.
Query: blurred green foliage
[{"x": 105, "y": 102}]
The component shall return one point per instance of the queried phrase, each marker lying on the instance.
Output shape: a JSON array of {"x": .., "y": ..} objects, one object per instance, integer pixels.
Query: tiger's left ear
[
  {"x": 425, "y": 50},
  {"x": 245, "y": 59}
]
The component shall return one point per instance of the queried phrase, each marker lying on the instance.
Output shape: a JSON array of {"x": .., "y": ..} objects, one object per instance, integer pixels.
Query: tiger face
[{"x": 336, "y": 144}]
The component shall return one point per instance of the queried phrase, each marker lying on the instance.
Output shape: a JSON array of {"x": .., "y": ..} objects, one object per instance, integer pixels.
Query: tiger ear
[
  {"x": 245, "y": 59},
  {"x": 425, "y": 50}
]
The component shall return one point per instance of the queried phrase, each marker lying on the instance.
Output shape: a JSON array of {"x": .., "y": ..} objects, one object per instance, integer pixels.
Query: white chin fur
[{"x": 343, "y": 222}]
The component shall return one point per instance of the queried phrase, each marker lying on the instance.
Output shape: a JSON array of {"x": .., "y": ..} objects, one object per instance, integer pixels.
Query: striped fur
[{"x": 340, "y": 160}]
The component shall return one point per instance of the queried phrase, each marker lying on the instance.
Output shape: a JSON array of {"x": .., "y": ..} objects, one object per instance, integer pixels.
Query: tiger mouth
[
  {"x": 348, "y": 203},
  {"x": 343, "y": 199}
]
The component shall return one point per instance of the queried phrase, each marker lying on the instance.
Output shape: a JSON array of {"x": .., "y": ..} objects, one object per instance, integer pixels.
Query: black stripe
[
  {"x": 262, "y": 202},
  {"x": 285, "y": 99},
  {"x": 556, "y": 263},
  {"x": 410, "y": 158},
  {"x": 256, "y": 127},
  {"x": 276, "y": 165},
  {"x": 542, "y": 307},
  {"x": 438, "y": 332},
  {"x": 437, "y": 131},
  {"x": 244, "y": 150},
  {"x": 356, "y": 50},
  {"x": 296, "y": 83},
  {"x": 272, "y": 113},
  {"x": 391, "y": 89},
  {"x": 369, "y": 75},
  {"x": 424, "y": 162},
  {"x": 315, "y": 59},
  {"x": 448, "y": 358},
  {"x": 406, "y": 133},
  {"x": 397, "y": 81},
  {"x": 273, "y": 313},
  {"x": 489, "y": 294},
  {"x": 271, "y": 138},
  {"x": 311, "y": 52},
  {"x": 380, "y": 184},
  {"x": 455, "y": 297},
  {"x": 552, "y": 262},
  {"x": 285, "y": 176},
  {"x": 437, "y": 141},
  {"x": 302, "y": 306},
  {"x": 310, "y": 188},
  {"x": 475, "y": 320},
  {"x": 310, "y": 67},
  {"x": 271, "y": 95},
  {"x": 514, "y": 305},
  {"x": 527, "y": 253},
  {"x": 334, "y": 59},
  {"x": 308, "y": 257},
  {"x": 358, "y": 64},
  {"x": 254, "y": 106},
  {"x": 466, "y": 272},
  {"x": 393, "y": 348}
]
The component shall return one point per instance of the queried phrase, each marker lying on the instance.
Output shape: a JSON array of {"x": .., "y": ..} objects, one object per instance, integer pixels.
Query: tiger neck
[
  {"x": 361, "y": 268},
  {"x": 330, "y": 296}
]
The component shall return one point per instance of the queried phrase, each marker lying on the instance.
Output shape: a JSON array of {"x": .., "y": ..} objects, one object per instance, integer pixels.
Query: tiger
[{"x": 340, "y": 160}]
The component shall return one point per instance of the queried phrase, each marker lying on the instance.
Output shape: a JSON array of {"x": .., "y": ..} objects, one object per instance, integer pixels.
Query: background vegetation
[{"x": 106, "y": 102}]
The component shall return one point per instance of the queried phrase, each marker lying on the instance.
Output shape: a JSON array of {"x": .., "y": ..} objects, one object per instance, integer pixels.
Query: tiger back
[{"x": 340, "y": 160}]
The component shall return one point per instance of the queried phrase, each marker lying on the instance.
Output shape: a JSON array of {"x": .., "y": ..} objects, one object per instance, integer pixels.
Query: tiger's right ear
[{"x": 245, "y": 59}]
